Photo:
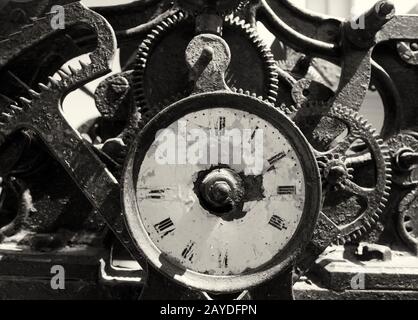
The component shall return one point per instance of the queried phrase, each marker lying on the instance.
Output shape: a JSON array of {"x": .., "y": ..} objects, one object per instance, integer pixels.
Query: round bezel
[{"x": 286, "y": 257}]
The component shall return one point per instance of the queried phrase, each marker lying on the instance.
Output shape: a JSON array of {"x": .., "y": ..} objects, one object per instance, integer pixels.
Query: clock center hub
[{"x": 221, "y": 190}]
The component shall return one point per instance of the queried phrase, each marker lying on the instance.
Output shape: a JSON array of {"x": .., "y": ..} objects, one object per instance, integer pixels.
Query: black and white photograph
[{"x": 208, "y": 157}]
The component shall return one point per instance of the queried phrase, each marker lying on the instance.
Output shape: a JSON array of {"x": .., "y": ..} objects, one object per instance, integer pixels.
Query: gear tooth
[
  {"x": 272, "y": 93},
  {"x": 16, "y": 108},
  {"x": 83, "y": 64},
  {"x": 63, "y": 74},
  {"x": 34, "y": 94},
  {"x": 72, "y": 70},
  {"x": 373, "y": 220},
  {"x": 43, "y": 87},
  {"x": 53, "y": 82},
  {"x": 26, "y": 102},
  {"x": 7, "y": 115},
  {"x": 274, "y": 87}
]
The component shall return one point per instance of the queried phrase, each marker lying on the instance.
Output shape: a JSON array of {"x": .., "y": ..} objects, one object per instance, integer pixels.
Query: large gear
[
  {"x": 172, "y": 36},
  {"x": 339, "y": 164}
]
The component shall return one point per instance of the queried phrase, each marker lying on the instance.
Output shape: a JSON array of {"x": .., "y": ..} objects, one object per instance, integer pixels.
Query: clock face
[{"x": 220, "y": 192}]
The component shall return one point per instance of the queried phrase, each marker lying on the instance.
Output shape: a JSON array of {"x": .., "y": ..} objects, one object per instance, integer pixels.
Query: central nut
[{"x": 221, "y": 190}]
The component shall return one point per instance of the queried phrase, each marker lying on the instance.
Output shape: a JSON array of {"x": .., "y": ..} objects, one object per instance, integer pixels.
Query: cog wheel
[
  {"x": 161, "y": 71},
  {"x": 334, "y": 171},
  {"x": 221, "y": 7},
  {"x": 354, "y": 199},
  {"x": 404, "y": 142},
  {"x": 408, "y": 220}
]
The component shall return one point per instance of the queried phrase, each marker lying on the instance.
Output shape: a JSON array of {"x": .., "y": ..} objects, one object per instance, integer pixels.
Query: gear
[
  {"x": 400, "y": 144},
  {"x": 161, "y": 71},
  {"x": 334, "y": 171},
  {"x": 43, "y": 114},
  {"x": 342, "y": 166},
  {"x": 408, "y": 220},
  {"x": 221, "y": 7}
]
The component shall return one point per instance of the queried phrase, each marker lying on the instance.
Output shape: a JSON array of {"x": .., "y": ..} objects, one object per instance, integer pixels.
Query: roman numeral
[
  {"x": 286, "y": 190},
  {"x": 273, "y": 160},
  {"x": 221, "y": 126},
  {"x": 223, "y": 260},
  {"x": 188, "y": 251},
  {"x": 254, "y": 132},
  {"x": 165, "y": 227},
  {"x": 278, "y": 223},
  {"x": 154, "y": 194}
]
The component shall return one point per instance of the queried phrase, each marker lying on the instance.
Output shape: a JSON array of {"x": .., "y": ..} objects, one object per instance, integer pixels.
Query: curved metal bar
[
  {"x": 391, "y": 100},
  {"x": 296, "y": 40},
  {"x": 143, "y": 29},
  {"x": 314, "y": 25}
]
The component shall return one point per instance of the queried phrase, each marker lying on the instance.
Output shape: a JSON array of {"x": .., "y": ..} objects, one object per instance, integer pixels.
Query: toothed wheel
[
  {"x": 161, "y": 71},
  {"x": 221, "y": 7},
  {"x": 354, "y": 197},
  {"x": 408, "y": 220}
]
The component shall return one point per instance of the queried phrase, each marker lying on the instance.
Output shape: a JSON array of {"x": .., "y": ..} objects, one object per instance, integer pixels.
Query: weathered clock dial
[{"x": 222, "y": 193}]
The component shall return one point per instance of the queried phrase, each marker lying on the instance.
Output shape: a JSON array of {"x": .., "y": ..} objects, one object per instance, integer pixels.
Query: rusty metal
[
  {"x": 408, "y": 221},
  {"x": 205, "y": 55},
  {"x": 155, "y": 83}
]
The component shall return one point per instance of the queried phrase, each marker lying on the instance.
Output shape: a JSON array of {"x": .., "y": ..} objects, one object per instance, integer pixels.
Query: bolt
[
  {"x": 414, "y": 46},
  {"x": 119, "y": 84},
  {"x": 220, "y": 191}
]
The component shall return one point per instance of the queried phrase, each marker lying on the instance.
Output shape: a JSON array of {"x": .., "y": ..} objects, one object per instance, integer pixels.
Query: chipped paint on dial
[{"x": 200, "y": 241}]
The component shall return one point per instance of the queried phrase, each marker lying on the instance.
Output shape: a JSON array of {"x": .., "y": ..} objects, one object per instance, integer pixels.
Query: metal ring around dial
[{"x": 298, "y": 240}]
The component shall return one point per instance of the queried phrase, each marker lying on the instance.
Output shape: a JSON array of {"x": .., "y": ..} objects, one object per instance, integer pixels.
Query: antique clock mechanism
[
  {"x": 221, "y": 167},
  {"x": 234, "y": 208}
]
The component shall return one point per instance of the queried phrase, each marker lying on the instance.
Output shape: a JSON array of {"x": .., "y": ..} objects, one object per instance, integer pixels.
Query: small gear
[
  {"x": 354, "y": 208},
  {"x": 221, "y": 7},
  {"x": 161, "y": 71},
  {"x": 400, "y": 144},
  {"x": 334, "y": 171},
  {"x": 408, "y": 220}
]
